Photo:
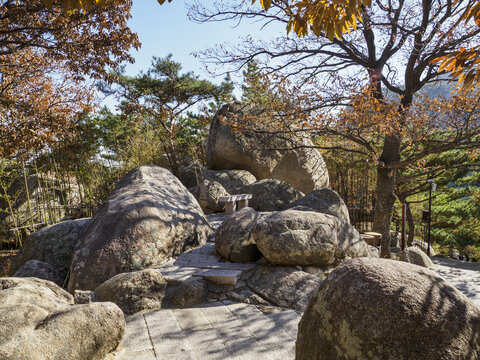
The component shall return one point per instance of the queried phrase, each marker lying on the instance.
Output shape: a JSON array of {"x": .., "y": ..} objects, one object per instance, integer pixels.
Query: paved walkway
[
  {"x": 215, "y": 331},
  {"x": 228, "y": 330},
  {"x": 465, "y": 276}
]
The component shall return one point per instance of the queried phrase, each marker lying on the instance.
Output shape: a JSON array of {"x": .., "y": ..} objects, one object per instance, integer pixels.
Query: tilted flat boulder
[
  {"x": 53, "y": 244},
  {"x": 38, "y": 321},
  {"x": 185, "y": 293},
  {"x": 149, "y": 217},
  {"x": 324, "y": 201},
  {"x": 134, "y": 291},
  {"x": 283, "y": 286},
  {"x": 261, "y": 153},
  {"x": 383, "y": 309},
  {"x": 294, "y": 237},
  {"x": 270, "y": 194},
  {"x": 233, "y": 240}
]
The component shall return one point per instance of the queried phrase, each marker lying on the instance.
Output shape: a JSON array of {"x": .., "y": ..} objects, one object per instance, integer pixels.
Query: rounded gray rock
[
  {"x": 294, "y": 237},
  {"x": 53, "y": 244},
  {"x": 134, "y": 291},
  {"x": 207, "y": 194},
  {"x": 38, "y": 321},
  {"x": 324, "y": 201},
  {"x": 270, "y": 194},
  {"x": 192, "y": 173},
  {"x": 415, "y": 255},
  {"x": 233, "y": 240},
  {"x": 41, "y": 270},
  {"x": 383, "y": 309}
]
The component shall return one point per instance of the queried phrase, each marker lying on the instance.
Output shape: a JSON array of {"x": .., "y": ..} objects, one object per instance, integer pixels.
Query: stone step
[{"x": 222, "y": 277}]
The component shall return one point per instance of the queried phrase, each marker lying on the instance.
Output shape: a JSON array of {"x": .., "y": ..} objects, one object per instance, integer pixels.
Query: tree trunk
[
  {"x": 385, "y": 192},
  {"x": 411, "y": 227}
]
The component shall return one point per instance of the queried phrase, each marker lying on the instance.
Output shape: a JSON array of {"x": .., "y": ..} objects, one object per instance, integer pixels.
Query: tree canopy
[
  {"x": 168, "y": 102},
  {"x": 45, "y": 54}
]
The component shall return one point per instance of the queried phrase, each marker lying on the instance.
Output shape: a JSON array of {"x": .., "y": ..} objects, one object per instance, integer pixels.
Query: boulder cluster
[
  {"x": 288, "y": 238},
  {"x": 292, "y": 250}
]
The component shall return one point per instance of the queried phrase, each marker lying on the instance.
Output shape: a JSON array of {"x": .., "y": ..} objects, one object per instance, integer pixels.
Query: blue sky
[{"x": 165, "y": 29}]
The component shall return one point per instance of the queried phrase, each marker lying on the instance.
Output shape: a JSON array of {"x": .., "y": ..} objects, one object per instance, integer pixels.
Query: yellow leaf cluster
[
  {"x": 464, "y": 65},
  {"x": 329, "y": 18}
]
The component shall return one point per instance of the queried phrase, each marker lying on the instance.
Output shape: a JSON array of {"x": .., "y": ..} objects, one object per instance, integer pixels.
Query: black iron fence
[{"x": 356, "y": 186}]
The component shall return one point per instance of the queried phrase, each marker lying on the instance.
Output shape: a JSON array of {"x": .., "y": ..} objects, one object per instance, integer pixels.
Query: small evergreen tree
[
  {"x": 165, "y": 101},
  {"x": 255, "y": 87}
]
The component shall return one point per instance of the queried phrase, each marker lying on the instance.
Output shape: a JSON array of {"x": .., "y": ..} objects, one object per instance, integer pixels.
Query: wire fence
[{"x": 33, "y": 199}]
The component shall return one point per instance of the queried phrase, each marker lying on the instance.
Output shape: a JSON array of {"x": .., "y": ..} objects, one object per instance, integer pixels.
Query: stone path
[
  {"x": 220, "y": 330},
  {"x": 229, "y": 330},
  {"x": 465, "y": 276},
  {"x": 217, "y": 330},
  {"x": 202, "y": 263}
]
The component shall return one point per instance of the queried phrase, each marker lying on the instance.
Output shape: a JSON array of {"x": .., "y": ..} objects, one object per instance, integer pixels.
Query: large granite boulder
[
  {"x": 38, "y": 321},
  {"x": 324, "y": 201},
  {"x": 192, "y": 173},
  {"x": 415, "y": 255},
  {"x": 149, "y": 217},
  {"x": 385, "y": 309},
  {"x": 134, "y": 291},
  {"x": 53, "y": 244},
  {"x": 40, "y": 270},
  {"x": 233, "y": 240},
  {"x": 270, "y": 194},
  {"x": 208, "y": 194},
  {"x": 261, "y": 153},
  {"x": 283, "y": 286},
  {"x": 294, "y": 237}
]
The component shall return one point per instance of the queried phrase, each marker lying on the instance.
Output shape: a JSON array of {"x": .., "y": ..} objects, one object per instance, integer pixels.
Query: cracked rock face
[
  {"x": 53, "y": 244},
  {"x": 149, "y": 217},
  {"x": 38, "y": 321},
  {"x": 384, "y": 309}
]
